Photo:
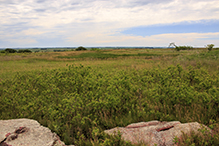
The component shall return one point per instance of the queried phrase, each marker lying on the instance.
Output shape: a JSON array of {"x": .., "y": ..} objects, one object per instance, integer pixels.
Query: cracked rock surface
[
  {"x": 155, "y": 132},
  {"x": 26, "y": 132}
]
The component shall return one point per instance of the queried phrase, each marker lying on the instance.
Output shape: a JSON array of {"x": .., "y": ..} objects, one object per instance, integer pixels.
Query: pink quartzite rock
[
  {"x": 155, "y": 132},
  {"x": 26, "y": 132}
]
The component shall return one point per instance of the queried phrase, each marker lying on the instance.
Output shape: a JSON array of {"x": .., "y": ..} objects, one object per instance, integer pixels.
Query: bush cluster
[
  {"x": 79, "y": 102},
  {"x": 178, "y": 48},
  {"x": 210, "y": 47},
  {"x": 80, "y": 48},
  {"x": 9, "y": 50},
  {"x": 24, "y": 51}
]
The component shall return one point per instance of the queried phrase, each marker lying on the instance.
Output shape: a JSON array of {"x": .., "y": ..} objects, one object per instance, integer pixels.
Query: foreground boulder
[
  {"x": 155, "y": 132},
  {"x": 26, "y": 132}
]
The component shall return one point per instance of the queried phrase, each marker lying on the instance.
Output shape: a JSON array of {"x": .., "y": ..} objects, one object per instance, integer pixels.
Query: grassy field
[
  {"x": 138, "y": 58},
  {"x": 78, "y": 94}
]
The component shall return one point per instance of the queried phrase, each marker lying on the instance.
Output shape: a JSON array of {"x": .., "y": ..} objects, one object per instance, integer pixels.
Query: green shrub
[
  {"x": 210, "y": 47},
  {"x": 24, "y": 51},
  {"x": 80, "y": 48},
  {"x": 79, "y": 102},
  {"x": 2, "y": 51},
  {"x": 178, "y": 48},
  {"x": 8, "y": 50}
]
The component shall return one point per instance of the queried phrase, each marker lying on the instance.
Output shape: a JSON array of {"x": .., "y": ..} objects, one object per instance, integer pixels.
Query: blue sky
[
  {"x": 202, "y": 26},
  {"x": 72, "y": 23}
]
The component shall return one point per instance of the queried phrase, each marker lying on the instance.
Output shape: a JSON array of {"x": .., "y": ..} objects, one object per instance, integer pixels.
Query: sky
[{"x": 90, "y": 23}]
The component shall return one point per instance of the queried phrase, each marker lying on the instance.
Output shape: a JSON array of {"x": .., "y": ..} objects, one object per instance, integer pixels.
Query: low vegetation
[
  {"x": 24, "y": 51},
  {"x": 9, "y": 50},
  {"x": 81, "y": 98},
  {"x": 100, "y": 55},
  {"x": 178, "y": 48},
  {"x": 95, "y": 49}
]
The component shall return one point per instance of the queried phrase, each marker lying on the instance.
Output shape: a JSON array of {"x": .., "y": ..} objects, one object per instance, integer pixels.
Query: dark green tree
[
  {"x": 9, "y": 50},
  {"x": 80, "y": 48},
  {"x": 24, "y": 51},
  {"x": 210, "y": 47}
]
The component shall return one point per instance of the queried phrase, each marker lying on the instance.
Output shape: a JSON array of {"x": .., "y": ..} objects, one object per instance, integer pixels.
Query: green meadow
[{"x": 79, "y": 94}]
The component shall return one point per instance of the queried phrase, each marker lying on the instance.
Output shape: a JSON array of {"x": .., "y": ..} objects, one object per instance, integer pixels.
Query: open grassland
[
  {"x": 122, "y": 58},
  {"x": 14, "y": 62},
  {"x": 78, "y": 94}
]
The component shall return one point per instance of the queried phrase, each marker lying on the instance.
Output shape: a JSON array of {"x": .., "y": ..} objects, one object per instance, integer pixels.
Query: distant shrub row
[
  {"x": 59, "y": 50},
  {"x": 8, "y": 50},
  {"x": 178, "y": 48}
]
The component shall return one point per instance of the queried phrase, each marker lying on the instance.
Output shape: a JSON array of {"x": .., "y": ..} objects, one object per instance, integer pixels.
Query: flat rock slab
[
  {"x": 155, "y": 132},
  {"x": 26, "y": 132}
]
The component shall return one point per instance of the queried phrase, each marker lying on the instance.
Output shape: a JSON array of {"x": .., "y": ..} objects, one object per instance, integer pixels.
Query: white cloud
[
  {"x": 33, "y": 32},
  {"x": 22, "y": 41},
  {"x": 98, "y": 21},
  {"x": 192, "y": 39}
]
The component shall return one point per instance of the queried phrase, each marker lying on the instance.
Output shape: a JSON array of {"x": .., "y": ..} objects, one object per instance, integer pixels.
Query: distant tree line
[
  {"x": 24, "y": 51},
  {"x": 9, "y": 50},
  {"x": 59, "y": 50},
  {"x": 178, "y": 48}
]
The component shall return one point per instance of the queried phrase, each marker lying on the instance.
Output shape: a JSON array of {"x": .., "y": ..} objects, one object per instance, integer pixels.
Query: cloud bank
[{"x": 52, "y": 23}]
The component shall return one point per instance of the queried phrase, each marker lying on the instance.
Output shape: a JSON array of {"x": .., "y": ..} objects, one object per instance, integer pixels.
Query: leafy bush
[
  {"x": 2, "y": 51},
  {"x": 24, "y": 51},
  {"x": 80, "y": 48},
  {"x": 8, "y": 50},
  {"x": 178, "y": 48},
  {"x": 210, "y": 47},
  {"x": 79, "y": 102}
]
